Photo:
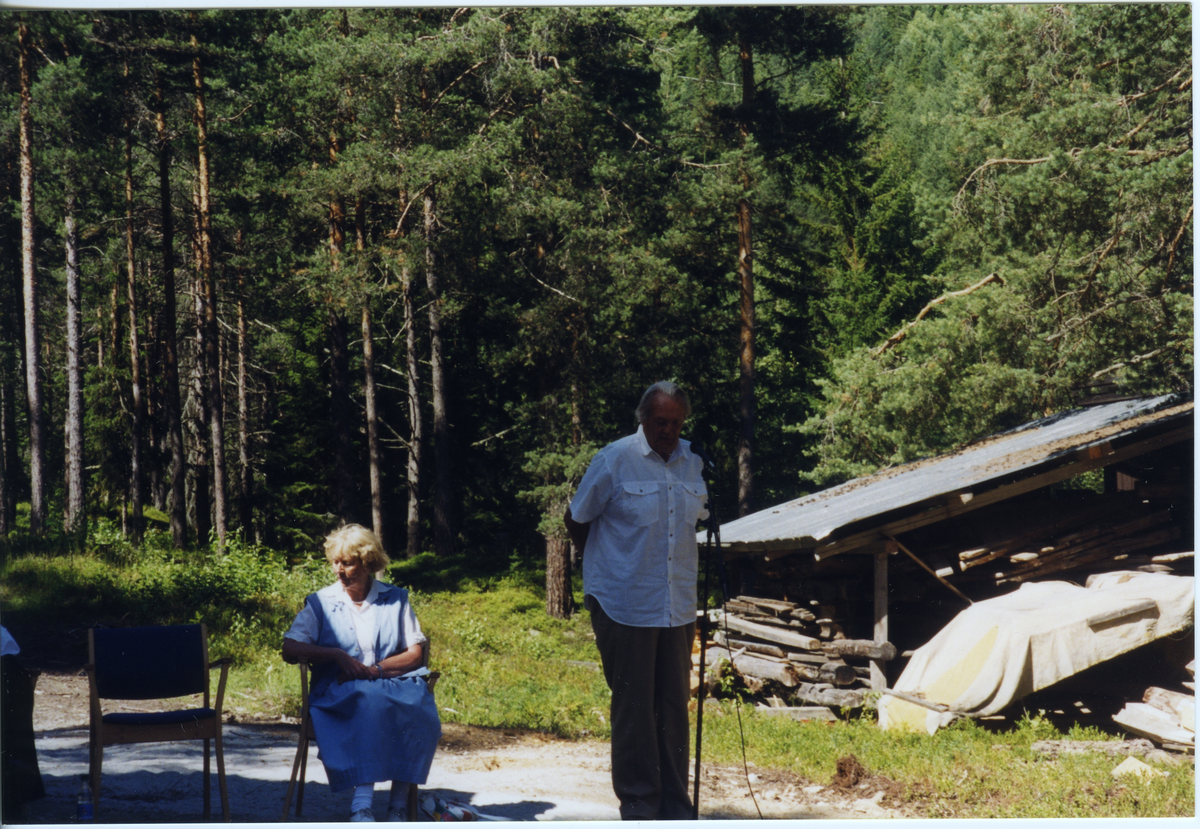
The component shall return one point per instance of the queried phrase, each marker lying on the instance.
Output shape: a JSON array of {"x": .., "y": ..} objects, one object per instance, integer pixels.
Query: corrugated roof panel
[{"x": 806, "y": 521}]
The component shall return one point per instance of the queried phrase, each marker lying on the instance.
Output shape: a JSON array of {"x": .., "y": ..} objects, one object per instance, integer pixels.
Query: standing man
[{"x": 634, "y": 516}]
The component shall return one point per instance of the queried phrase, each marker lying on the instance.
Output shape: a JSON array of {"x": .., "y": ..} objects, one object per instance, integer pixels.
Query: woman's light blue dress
[{"x": 369, "y": 731}]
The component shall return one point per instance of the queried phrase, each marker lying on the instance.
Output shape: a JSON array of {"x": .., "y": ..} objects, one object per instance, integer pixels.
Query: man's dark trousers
[{"x": 648, "y": 670}]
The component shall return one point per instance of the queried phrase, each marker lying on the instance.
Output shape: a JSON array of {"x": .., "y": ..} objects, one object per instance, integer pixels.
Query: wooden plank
[
  {"x": 979, "y": 561},
  {"x": 1102, "y": 536},
  {"x": 1180, "y": 706},
  {"x": 754, "y": 647},
  {"x": 967, "y": 555},
  {"x": 803, "y": 615},
  {"x": 806, "y": 657},
  {"x": 1112, "y": 748},
  {"x": 862, "y": 648},
  {"x": 915, "y": 700},
  {"x": 830, "y": 630},
  {"x": 829, "y": 672},
  {"x": 878, "y": 673},
  {"x": 822, "y": 695},
  {"x": 745, "y": 608},
  {"x": 776, "y": 622},
  {"x": 776, "y": 606},
  {"x": 755, "y": 666},
  {"x": 1148, "y": 721},
  {"x": 779, "y": 636},
  {"x": 800, "y": 714},
  {"x": 1099, "y": 552}
]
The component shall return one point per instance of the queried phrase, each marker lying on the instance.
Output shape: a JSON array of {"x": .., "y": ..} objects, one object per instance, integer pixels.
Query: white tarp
[{"x": 999, "y": 650}]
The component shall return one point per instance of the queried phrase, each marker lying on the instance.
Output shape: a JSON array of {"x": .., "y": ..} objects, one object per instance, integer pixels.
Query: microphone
[{"x": 698, "y": 450}]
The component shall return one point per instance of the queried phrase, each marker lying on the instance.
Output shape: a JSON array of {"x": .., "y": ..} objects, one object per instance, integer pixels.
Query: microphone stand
[{"x": 712, "y": 542}]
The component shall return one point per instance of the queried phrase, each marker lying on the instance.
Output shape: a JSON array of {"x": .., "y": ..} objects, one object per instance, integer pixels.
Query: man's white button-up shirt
[{"x": 640, "y": 558}]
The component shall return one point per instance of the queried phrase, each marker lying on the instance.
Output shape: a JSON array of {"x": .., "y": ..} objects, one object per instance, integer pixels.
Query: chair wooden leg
[
  {"x": 221, "y": 785},
  {"x": 302, "y": 781},
  {"x": 413, "y": 802},
  {"x": 298, "y": 768},
  {"x": 207, "y": 785},
  {"x": 96, "y": 761}
]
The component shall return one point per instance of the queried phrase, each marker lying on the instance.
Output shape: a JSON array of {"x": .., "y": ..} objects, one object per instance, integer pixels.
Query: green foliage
[
  {"x": 243, "y": 595},
  {"x": 1071, "y": 170},
  {"x": 586, "y": 162},
  {"x": 560, "y": 473}
]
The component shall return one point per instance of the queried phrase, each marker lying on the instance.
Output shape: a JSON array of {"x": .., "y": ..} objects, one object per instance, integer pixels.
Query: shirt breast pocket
[
  {"x": 694, "y": 501},
  {"x": 637, "y": 503}
]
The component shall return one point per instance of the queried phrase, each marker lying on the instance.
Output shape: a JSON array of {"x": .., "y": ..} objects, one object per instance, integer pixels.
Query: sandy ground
[{"x": 505, "y": 774}]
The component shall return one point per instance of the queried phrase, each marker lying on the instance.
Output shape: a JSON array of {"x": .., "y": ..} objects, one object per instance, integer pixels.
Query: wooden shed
[{"x": 892, "y": 557}]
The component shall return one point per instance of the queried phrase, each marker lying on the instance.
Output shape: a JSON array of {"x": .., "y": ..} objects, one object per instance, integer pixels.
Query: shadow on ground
[{"x": 163, "y": 783}]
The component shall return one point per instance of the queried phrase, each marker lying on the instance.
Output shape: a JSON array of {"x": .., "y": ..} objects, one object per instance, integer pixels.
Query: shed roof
[{"x": 991, "y": 466}]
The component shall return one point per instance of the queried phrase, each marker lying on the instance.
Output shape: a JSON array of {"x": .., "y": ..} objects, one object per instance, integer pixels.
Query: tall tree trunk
[
  {"x": 170, "y": 363},
  {"x": 443, "y": 522},
  {"x": 415, "y": 419},
  {"x": 559, "y": 600},
  {"x": 156, "y": 435},
  {"x": 73, "y": 510},
  {"x": 216, "y": 406},
  {"x": 339, "y": 407},
  {"x": 560, "y": 555},
  {"x": 7, "y": 469},
  {"x": 246, "y": 480},
  {"x": 339, "y": 367},
  {"x": 99, "y": 339},
  {"x": 33, "y": 360},
  {"x": 200, "y": 463},
  {"x": 135, "y": 359},
  {"x": 746, "y": 282},
  {"x": 373, "y": 452}
]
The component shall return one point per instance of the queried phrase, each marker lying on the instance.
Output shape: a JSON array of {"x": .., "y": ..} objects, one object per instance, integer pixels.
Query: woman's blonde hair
[{"x": 355, "y": 541}]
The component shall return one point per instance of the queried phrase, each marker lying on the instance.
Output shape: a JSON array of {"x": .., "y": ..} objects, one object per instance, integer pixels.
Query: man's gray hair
[{"x": 663, "y": 387}]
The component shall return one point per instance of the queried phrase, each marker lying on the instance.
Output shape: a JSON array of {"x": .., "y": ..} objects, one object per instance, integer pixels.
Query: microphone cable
[
  {"x": 714, "y": 528},
  {"x": 741, "y": 727}
]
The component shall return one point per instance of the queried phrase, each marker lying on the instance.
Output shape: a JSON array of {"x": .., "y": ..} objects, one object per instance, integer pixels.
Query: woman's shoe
[{"x": 362, "y": 816}]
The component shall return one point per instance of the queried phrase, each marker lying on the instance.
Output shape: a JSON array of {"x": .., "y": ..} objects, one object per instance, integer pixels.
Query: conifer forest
[{"x": 262, "y": 271}]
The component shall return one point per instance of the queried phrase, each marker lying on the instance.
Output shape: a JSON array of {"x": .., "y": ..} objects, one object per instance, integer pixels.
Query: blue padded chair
[{"x": 154, "y": 663}]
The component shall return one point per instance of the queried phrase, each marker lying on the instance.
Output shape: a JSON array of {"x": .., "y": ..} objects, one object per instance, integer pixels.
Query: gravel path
[{"x": 506, "y": 774}]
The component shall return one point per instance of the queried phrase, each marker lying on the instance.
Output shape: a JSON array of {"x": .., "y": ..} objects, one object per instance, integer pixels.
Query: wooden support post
[{"x": 878, "y": 676}]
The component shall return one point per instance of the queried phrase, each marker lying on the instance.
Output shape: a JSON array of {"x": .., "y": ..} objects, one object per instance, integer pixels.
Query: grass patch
[
  {"x": 964, "y": 771},
  {"x": 505, "y": 663}
]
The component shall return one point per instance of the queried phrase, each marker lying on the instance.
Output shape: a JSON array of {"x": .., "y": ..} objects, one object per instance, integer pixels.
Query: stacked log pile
[
  {"x": 1166, "y": 717},
  {"x": 780, "y": 646}
]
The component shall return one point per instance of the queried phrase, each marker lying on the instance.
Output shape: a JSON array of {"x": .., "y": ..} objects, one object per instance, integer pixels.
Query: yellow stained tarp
[{"x": 999, "y": 650}]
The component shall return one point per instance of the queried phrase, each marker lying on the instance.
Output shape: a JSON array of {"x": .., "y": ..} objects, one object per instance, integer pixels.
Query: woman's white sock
[{"x": 363, "y": 796}]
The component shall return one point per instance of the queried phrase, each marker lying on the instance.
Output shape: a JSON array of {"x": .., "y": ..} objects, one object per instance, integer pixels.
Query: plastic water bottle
[{"x": 83, "y": 805}]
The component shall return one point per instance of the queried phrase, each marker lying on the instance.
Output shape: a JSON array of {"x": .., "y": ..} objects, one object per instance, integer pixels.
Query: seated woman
[{"x": 373, "y": 715}]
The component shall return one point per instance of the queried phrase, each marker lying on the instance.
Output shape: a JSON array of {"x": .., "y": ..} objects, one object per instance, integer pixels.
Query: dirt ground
[{"x": 566, "y": 780}]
